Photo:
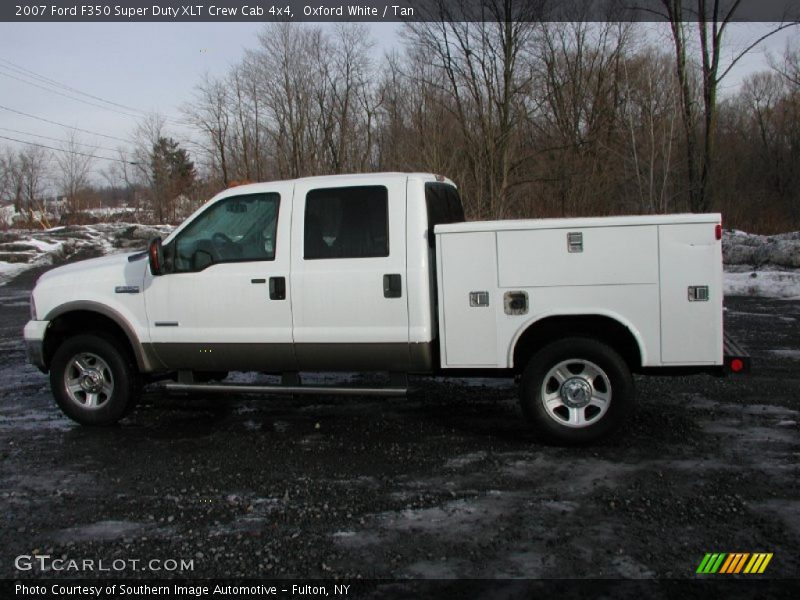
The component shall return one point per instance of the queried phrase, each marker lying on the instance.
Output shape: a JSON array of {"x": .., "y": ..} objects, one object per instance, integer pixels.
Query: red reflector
[
  {"x": 718, "y": 231},
  {"x": 737, "y": 364}
]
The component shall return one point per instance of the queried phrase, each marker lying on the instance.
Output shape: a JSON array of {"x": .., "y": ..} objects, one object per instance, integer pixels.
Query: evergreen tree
[{"x": 172, "y": 176}]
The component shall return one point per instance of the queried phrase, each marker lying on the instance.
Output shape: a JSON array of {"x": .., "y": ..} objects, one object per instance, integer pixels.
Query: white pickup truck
[{"x": 380, "y": 272}]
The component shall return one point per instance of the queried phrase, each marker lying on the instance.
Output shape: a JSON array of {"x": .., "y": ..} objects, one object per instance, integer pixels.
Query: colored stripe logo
[{"x": 733, "y": 563}]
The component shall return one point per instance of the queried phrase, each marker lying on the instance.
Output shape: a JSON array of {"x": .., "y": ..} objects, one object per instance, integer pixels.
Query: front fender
[{"x": 146, "y": 360}]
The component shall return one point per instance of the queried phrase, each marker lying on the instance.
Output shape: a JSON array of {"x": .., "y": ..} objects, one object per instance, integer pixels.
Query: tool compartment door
[
  {"x": 691, "y": 327},
  {"x": 468, "y": 276}
]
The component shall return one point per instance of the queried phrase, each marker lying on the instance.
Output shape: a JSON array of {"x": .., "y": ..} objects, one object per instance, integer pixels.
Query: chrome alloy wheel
[
  {"x": 88, "y": 380},
  {"x": 576, "y": 393}
]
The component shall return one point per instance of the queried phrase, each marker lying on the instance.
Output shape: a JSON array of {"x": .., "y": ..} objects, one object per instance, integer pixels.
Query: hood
[
  {"x": 96, "y": 280},
  {"x": 116, "y": 267}
]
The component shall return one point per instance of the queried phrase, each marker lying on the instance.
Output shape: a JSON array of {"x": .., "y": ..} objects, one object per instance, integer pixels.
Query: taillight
[{"x": 718, "y": 231}]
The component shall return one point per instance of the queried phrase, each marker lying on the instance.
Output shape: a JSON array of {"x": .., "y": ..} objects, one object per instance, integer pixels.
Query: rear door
[{"x": 350, "y": 308}]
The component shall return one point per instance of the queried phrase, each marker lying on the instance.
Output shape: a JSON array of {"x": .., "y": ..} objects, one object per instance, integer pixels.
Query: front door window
[{"x": 235, "y": 229}]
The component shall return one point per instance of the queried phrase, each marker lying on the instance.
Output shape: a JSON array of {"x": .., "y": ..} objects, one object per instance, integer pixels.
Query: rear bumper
[
  {"x": 736, "y": 359},
  {"x": 34, "y": 333}
]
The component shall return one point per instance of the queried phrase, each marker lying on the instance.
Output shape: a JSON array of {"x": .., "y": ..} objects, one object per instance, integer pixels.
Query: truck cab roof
[{"x": 335, "y": 180}]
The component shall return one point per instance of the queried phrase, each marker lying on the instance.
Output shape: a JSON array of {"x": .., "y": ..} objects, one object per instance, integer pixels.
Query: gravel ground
[{"x": 447, "y": 483}]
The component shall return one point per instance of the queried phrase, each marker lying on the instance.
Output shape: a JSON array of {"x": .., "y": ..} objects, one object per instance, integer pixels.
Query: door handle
[
  {"x": 277, "y": 288},
  {"x": 392, "y": 286}
]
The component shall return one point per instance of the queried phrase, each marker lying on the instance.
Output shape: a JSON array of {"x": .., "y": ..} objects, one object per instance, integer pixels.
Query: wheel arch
[
  {"x": 609, "y": 328},
  {"x": 87, "y": 316}
]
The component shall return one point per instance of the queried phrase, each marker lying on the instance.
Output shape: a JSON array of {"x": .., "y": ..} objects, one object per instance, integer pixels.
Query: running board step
[{"x": 232, "y": 388}]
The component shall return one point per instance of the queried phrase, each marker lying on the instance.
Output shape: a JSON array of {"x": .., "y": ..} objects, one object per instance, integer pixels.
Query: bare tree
[
  {"x": 712, "y": 20},
  {"x": 303, "y": 102},
  {"x": 146, "y": 136},
  {"x": 348, "y": 109},
  {"x": 484, "y": 82},
  {"x": 545, "y": 118},
  {"x": 789, "y": 67},
  {"x": 766, "y": 118},
  {"x": 650, "y": 109},
  {"x": 289, "y": 71},
  {"x": 209, "y": 112},
  {"x": 74, "y": 165},
  {"x": 416, "y": 127},
  {"x": 579, "y": 71},
  {"x": 126, "y": 170},
  {"x": 33, "y": 164},
  {"x": 6, "y": 173},
  {"x": 14, "y": 176}
]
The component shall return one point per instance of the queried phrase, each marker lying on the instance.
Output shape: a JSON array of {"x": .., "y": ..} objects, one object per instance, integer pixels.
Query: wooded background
[{"x": 531, "y": 119}]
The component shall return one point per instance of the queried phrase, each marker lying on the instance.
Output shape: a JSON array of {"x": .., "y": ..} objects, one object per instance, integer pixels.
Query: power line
[
  {"x": 20, "y": 70},
  {"x": 47, "y": 137},
  {"x": 24, "y": 114},
  {"x": 95, "y": 104},
  {"x": 24, "y": 71},
  {"x": 3, "y": 137}
]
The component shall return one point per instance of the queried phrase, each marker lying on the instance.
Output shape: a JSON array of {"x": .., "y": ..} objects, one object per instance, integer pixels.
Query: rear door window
[{"x": 346, "y": 222}]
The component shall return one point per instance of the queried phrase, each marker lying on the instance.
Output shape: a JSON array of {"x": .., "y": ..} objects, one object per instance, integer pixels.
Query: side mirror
[{"x": 155, "y": 253}]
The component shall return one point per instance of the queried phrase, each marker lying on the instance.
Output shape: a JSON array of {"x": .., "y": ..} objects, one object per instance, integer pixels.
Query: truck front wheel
[
  {"x": 93, "y": 379},
  {"x": 576, "y": 390}
]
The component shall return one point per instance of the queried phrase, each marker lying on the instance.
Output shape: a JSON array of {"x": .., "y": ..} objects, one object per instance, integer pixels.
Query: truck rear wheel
[
  {"x": 94, "y": 380},
  {"x": 576, "y": 390}
]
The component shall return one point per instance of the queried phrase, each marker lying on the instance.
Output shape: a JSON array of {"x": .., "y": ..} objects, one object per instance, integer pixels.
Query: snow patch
[
  {"x": 10, "y": 270},
  {"x": 344, "y": 534},
  {"x": 43, "y": 245},
  {"x": 464, "y": 460},
  {"x": 22, "y": 249},
  {"x": 7, "y": 215},
  {"x": 767, "y": 283},
  {"x": 35, "y": 421},
  {"x": 102, "y": 530},
  {"x": 787, "y": 353},
  {"x": 783, "y": 250},
  {"x": 499, "y": 383}
]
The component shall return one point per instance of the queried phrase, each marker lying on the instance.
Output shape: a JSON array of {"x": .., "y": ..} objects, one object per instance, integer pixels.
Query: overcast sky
[{"x": 155, "y": 66}]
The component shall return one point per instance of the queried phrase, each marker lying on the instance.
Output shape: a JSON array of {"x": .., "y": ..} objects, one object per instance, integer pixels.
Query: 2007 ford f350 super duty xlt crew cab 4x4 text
[{"x": 380, "y": 272}]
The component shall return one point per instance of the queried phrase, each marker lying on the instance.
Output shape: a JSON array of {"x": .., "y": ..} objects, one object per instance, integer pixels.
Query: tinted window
[
  {"x": 349, "y": 222},
  {"x": 444, "y": 206},
  {"x": 239, "y": 228}
]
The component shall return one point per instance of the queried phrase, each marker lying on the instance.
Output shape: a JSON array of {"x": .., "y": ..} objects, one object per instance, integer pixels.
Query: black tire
[
  {"x": 112, "y": 387},
  {"x": 560, "y": 377}
]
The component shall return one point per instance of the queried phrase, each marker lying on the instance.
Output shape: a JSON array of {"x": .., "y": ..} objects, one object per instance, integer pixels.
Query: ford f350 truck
[{"x": 380, "y": 272}]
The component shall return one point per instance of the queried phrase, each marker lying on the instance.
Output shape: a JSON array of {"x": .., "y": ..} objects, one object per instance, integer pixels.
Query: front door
[
  {"x": 224, "y": 302},
  {"x": 350, "y": 301}
]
